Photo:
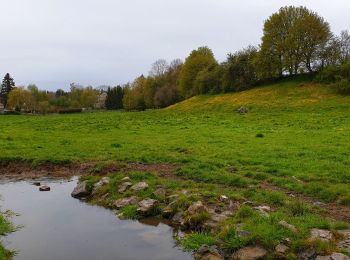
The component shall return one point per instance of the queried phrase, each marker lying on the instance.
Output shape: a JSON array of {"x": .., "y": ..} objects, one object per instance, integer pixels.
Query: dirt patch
[
  {"x": 334, "y": 211},
  {"x": 22, "y": 170}
]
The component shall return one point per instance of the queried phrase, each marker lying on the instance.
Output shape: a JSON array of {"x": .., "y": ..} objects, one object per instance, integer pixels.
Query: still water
[{"x": 56, "y": 227}]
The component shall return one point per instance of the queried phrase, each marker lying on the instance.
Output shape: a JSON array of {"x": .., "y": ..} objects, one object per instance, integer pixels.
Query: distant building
[
  {"x": 101, "y": 101},
  {"x": 2, "y": 108}
]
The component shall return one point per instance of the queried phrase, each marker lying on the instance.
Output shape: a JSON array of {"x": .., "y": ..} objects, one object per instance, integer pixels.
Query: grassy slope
[{"x": 305, "y": 127}]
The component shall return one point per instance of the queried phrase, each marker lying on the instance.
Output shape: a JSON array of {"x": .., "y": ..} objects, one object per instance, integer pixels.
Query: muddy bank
[{"x": 24, "y": 170}]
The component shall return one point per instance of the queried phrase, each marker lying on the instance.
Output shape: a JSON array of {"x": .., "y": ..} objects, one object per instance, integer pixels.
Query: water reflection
[{"x": 57, "y": 226}]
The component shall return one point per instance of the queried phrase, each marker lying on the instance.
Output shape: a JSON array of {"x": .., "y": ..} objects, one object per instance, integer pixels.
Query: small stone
[
  {"x": 44, "y": 188},
  {"x": 250, "y": 253},
  {"x": 126, "y": 179},
  {"x": 160, "y": 193},
  {"x": 196, "y": 208},
  {"x": 319, "y": 204},
  {"x": 339, "y": 256},
  {"x": 223, "y": 198},
  {"x": 281, "y": 249},
  {"x": 320, "y": 234},
  {"x": 125, "y": 202},
  {"x": 288, "y": 226},
  {"x": 208, "y": 253},
  {"x": 98, "y": 185},
  {"x": 146, "y": 206},
  {"x": 177, "y": 218},
  {"x": 121, "y": 216},
  {"x": 334, "y": 256},
  {"x": 345, "y": 233},
  {"x": 344, "y": 245},
  {"x": 307, "y": 254},
  {"x": 36, "y": 183},
  {"x": 140, "y": 186},
  {"x": 167, "y": 212},
  {"x": 242, "y": 110},
  {"x": 263, "y": 210},
  {"x": 124, "y": 186},
  {"x": 81, "y": 190}
]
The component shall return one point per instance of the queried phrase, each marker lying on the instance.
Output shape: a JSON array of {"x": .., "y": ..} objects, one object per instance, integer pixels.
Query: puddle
[{"x": 56, "y": 226}]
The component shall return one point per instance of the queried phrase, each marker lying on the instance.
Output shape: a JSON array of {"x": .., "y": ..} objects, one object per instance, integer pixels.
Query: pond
[{"x": 55, "y": 226}]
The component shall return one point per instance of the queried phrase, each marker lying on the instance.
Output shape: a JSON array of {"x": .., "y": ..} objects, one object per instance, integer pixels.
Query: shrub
[{"x": 342, "y": 87}]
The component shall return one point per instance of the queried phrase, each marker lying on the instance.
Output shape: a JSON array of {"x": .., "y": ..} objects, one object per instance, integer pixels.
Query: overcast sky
[{"x": 92, "y": 42}]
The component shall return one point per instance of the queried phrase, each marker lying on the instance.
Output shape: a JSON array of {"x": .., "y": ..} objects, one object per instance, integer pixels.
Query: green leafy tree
[
  {"x": 240, "y": 70},
  {"x": 198, "y": 60},
  {"x": 292, "y": 41},
  {"x": 7, "y": 85}
]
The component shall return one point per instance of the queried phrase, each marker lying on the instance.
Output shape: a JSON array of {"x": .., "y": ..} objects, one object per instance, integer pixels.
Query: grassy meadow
[{"x": 295, "y": 136}]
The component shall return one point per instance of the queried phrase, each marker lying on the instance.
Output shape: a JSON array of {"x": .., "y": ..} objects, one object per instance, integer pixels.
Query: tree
[
  {"x": 209, "y": 80},
  {"x": 292, "y": 41},
  {"x": 7, "y": 85},
  {"x": 114, "y": 99},
  {"x": 240, "y": 70},
  {"x": 20, "y": 99},
  {"x": 198, "y": 60},
  {"x": 344, "y": 40},
  {"x": 134, "y": 95},
  {"x": 159, "y": 68}
]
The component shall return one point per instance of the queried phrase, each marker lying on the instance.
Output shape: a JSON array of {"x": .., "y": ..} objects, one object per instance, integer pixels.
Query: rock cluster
[{"x": 81, "y": 190}]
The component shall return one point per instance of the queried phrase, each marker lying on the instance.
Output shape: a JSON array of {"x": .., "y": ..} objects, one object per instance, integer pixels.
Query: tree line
[{"x": 295, "y": 41}]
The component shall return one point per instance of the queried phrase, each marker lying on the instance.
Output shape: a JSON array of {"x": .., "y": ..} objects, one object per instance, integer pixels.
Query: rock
[
  {"x": 307, "y": 254},
  {"x": 126, "y": 179},
  {"x": 140, "y": 186},
  {"x": 102, "y": 182},
  {"x": 216, "y": 218},
  {"x": 319, "y": 204},
  {"x": 196, "y": 208},
  {"x": 121, "y": 216},
  {"x": 288, "y": 226},
  {"x": 334, "y": 256},
  {"x": 81, "y": 190},
  {"x": 167, "y": 212},
  {"x": 321, "y": 234},
  {"x": 263, "y": 210},
  {"x": 160, "y": 193},
  {"x": 339, "y": 256},
  {"x": 125, "y": 202},
  {"x": 177, "y": 218},
  {"x": 223, "y": 198},
  {"x": 208, "y": 253},
  {"x": 242, "y": 110},
  {"x": 124, "y": 186},
  {"x": 344, "y": 245},
  {"x": 36, "y": 183},
  {"x": 250, "y": 253},
  {"x": 44, "y": 188},
  {"x": 146, "y": 205},
  {"x": 345, "y": 233},
  {"x": 281, "y": 249}
]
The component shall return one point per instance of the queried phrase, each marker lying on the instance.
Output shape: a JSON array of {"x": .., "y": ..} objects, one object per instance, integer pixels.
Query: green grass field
[
  {"x": 305, "y": 130},
  {"x": 295, "y": 136}
]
